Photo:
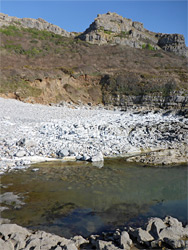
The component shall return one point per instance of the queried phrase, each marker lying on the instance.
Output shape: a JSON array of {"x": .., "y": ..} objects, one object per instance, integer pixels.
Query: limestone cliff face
[
  {"x": 115, "y": 29},
  {"x": 172, "y": 102},
  {"x": 39, "y": 24}
]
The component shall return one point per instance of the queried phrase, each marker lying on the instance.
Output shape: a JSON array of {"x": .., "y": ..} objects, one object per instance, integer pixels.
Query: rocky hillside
[
  {"x": 41, "y": 62},
  {"x": 114, "y": 29}
]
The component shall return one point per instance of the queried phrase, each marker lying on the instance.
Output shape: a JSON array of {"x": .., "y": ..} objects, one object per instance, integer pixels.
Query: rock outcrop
[
  {"x": 115, "y": 29},
  {"x": 157, "y": 234},
  {"x": 39, "y": 24},
  {"x": 173, "y": 43}
]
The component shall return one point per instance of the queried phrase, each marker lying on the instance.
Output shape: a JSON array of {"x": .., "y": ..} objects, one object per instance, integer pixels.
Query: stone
[
  {"x": 21, "y": 142},
  {"x": 174, "y": 243},
  {"x": 21, "y": 153},
  {"x": 125, "y": 241},
  {"x": 173, "y": 232},
  {"x": 79, "y": 240},
  {"x": 8, "y": 229},
  {"x": 106, "y": 245},
  {"x": 6, "y": 245},
  {"x": 154, "y": 226},
  {"x": 69, "y": 246},
  {"x": 172, "y": 222},
  {"x": 98, "y": 157},
  {"x": 10, "y": 198},
  {"x": 58, "y": 248},
  {"x": 142, "y": 236},
  {"x": 63, "y": 153},
  {"x": 20, "y": 239}
]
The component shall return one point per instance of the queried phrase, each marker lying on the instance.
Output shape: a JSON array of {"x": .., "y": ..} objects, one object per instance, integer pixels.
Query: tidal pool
[{"x": 78, "y": 198}]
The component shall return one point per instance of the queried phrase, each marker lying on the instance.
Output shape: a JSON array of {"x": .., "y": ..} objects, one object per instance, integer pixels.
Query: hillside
[{"x": 38, "y": 65}]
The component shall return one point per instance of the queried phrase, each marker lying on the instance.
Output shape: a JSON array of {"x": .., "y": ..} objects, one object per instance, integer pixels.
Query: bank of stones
[{"x": 33, "y": 132}]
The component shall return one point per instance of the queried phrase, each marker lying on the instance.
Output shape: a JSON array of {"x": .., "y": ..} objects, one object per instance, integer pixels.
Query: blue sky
[{"x": 159, "y": 16}]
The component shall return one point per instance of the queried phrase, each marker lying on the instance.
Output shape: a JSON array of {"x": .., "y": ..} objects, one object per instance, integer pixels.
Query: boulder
[
  {"x": 142, "y": 236},
  {"x": 97, "y": 157},
  {"x": 11, "y": 229},
  {"x": 174, "y": 243},
  {"x": 172, "y": 222},
  {"x": 63, "y": 153},
  {"x": 21, "y": 153},
  {"x": 79, "y": 240},
  {"x": 154, "y": 226},
  {"x": 106, "y": 245},
  {"x": 125, "y": 241}
]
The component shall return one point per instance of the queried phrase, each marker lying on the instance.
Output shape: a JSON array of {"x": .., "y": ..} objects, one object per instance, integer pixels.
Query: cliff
[
  {"x": 38, "y": 65},
  {"x": 114, "y": 29}
]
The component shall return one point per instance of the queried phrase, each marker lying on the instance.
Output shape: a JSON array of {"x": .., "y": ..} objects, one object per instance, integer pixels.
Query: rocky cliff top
[
  {"x": 39, "y": 24},
  {"x": 115, "y": 29}
]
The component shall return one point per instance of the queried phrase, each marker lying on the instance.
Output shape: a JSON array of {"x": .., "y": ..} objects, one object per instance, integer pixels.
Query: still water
[{"x": 79, "y": 198}]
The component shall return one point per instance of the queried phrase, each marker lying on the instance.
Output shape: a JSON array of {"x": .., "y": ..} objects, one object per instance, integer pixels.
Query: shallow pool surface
[{"x": 79, "y": 198}]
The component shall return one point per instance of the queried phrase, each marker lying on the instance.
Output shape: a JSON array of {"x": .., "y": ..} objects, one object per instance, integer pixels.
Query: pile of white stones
[{"x": 33, "y": 132}]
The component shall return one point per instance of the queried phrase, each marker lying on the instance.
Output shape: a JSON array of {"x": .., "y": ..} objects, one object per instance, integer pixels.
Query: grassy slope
[{"x": 29, "y": 56}]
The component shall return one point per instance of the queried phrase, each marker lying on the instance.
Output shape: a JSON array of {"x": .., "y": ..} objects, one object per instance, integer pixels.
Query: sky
[{"x": 165, "y": 16}]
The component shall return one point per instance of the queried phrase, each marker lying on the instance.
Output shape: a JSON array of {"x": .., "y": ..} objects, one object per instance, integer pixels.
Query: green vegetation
[
  {"x": 34, "y": 41},
  {"x": 109, "y": 32},
  {"x": 41, "y": 34},
  {"x": 10, "y": 30},
  {"x": 66, "y": 70},
  {"x": 18, "y": 49},
  {"x": 158, "y": 55},
  {"x": 17, "y": 22},
  {"x": 101, "y": 28},
  {"x": 19, "y": 86},
  {"x": 168, "y": 88},
  {"x": 148, "y": 46},
  {"x": 123, "y": 34},
  {"x": 131, "y": 85}
]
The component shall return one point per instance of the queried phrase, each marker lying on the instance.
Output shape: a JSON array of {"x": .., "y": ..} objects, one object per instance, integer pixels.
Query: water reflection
[{"x": 79, "y": 198}]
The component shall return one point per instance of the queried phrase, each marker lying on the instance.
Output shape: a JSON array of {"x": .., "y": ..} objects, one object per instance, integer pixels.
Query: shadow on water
[{"x": 78, "y": 198}]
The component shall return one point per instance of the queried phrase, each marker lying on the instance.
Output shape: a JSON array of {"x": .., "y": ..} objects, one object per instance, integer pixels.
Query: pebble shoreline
[{"x": 33, "y": 133}]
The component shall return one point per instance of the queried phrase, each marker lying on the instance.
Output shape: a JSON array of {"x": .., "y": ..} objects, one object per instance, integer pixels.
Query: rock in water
[{"x": 98, "y": 157}]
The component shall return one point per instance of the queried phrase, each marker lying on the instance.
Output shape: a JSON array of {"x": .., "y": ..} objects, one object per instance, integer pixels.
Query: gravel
[{"x": 34, "y": 132}]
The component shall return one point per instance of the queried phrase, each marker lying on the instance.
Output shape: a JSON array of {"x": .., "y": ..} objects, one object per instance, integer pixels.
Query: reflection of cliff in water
[{"x": 85, "y": 199}]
